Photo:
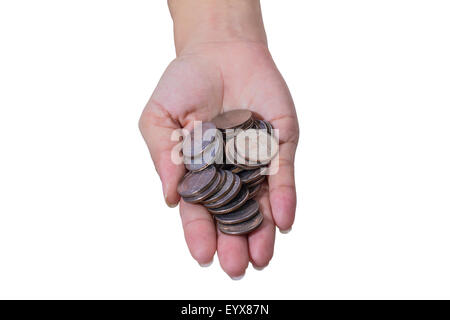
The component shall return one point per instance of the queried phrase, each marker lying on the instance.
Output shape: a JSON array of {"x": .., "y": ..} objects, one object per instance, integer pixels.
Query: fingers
[
  {"x": 157, "y": 126},
  {"x": 281, "y": 182},
  {"x": 233, "y": 254},
  {"x": 261, "y": 241},
  {"x": 199, "y": 232},
  {"x": 283, "y": 198}
]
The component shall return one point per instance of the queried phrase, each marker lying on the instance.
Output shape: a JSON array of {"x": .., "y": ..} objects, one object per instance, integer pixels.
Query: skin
[{"x": 223, "y": 63}]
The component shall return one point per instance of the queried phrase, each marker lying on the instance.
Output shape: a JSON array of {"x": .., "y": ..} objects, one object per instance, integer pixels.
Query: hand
[{"x": 208, "y": 78}]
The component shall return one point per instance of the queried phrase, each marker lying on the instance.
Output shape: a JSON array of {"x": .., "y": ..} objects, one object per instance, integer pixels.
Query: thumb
[{"x": 157, "y": 126}]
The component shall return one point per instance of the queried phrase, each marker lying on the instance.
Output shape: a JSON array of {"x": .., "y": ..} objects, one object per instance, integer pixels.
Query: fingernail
[
  {"x": 259, "y": 268},
  {"x": 171, "y": 205},
  {"x": 286, "y": 231},
  {"x": 238, "y": 277},
  {"x": 206, "y": 265}
]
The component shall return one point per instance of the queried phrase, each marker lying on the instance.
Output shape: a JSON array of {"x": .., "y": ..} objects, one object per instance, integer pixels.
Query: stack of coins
[
  {"x": 227, "y": 190},
  {"x": 204, "y": 147}
]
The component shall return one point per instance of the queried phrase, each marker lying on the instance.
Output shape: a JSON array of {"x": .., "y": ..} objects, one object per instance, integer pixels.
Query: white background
[{"x": 81, "y": 209}]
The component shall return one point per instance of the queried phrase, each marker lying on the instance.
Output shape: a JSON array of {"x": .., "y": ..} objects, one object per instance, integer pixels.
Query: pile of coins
[{"x": 228, "y": 160}]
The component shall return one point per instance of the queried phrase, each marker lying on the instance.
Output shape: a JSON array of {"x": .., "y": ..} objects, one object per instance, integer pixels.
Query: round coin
[
  {"x": 257, "y": 182},
  {"x": 231, "y": 133},
  {"x": 243, "y": 227},
  {"x": 249, "y": 176},
  {"x": 256, "y": 146},
  {"x": 253, "y": 191},
  {"x": 209, "y": 191},
  {"x": 244, "y": 213},
  {"x": 234, "y": 204},
  {"x": 206, "y": 158},
  {"x": 237, "y": 184},
  {"x": 196, "y": 167},
  {"x": 199, "y": 139},
  {"x": 262, "y": 125},
  {"x": 253, "y": 166},
  {"x": 194, "y": 183},
  {"x": 247, "y": 125},
  {"x": 269, "y": 127},
  {"x": 208, "y": 148},
  {"x": 232, "y": 119},
  {"x": 230, "y": 153},
  {"x": 236, "y": 169},
  {"x": 247, "y": 164},
  {"x": 232, "y": 157},
  {"x": 224, "y": 189}
]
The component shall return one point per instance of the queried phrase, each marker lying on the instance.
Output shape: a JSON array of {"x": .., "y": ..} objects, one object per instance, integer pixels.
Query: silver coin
[{"x": 243, "y": 227}]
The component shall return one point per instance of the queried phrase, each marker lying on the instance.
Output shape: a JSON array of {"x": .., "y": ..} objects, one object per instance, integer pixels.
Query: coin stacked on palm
[
  {"x": 228, "y": 160},
  {"x": 203, "y": 147}
]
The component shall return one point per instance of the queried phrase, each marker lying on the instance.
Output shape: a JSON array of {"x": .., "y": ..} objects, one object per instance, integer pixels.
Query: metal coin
[
  {"x": 231, "y": 133},
  {"x": 206, "y": 158},
  {"x": 197, "y": 167},
  {"x": 244, "y": 213},
  {"x": 234, "y": 204},
  {"x": 193, "y": 149},
  {"x": 269, "y": 127},
  {"x": 219, "y": 156},
  {"x": 255, "y": 146},
  {"x": 209, "y": 191},
  {"x": 194, "y": 183},
  {"x": 247, "y": 145},
  {"x": 224, "y": 189},
  {"x": 230, "y": 152},
  {"x": 262, "y": 125},
  {"x": 208, "y": 148},
  {"x": 249, "y": 176},
  {"x": 247, "y": 125},
  {"x": 199, "y": 138},
  {"x": 243, "y": 227},
  {"x": 232, "y": 119},
  {"x": 256, "y": 182},
  {"x": 247, "y": 164},
  {"x": 253, "y": 191},
  {"x": 213, "y": 145},
  {"x": 237, "y": 169},
  {"x": 229, "y": 196},
  {"x": 232, "y": 157},
  {"x": 252, "y": 167}
]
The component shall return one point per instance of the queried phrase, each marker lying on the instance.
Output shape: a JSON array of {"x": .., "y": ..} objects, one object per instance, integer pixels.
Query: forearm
[{"x": 205, "y": 21}]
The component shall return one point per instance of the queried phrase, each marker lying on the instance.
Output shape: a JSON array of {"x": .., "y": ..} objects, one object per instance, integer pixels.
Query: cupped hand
[{"x": 202, "y": 82}]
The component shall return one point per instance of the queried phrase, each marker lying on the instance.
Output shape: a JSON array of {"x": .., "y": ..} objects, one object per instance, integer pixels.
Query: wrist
[{"x": 198, "y": 22}]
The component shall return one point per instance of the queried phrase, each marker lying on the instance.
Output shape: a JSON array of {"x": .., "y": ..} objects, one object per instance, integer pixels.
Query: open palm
[{"x": 201, "y": 83}]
